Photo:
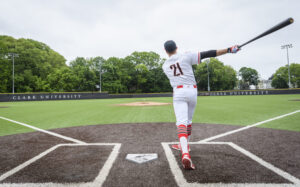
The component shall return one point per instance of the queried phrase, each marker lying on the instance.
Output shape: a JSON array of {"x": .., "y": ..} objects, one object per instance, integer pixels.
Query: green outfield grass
[{"x": 235, "y": 110}]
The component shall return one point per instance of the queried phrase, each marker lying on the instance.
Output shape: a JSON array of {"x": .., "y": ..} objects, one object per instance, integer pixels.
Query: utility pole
[
  {"x": 100, "y": 69},
  {"x": 287, "y": 46},
  {"x": 13, "y": 55},
  {"x": 239, "y": 84},
  {"x": 208, "y": 87}
]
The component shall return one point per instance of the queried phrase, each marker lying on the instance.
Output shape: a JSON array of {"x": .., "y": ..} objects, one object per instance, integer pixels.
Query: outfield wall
[
  {"x": 250, "y": 92},
  {"x": 72, "y": 96},
  {"x": 97, "y": 95},
  {"x": 50, "y": 96}
]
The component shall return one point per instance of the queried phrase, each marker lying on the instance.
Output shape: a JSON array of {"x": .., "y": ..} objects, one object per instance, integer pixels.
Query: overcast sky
[{"x": 89, "y": 28}]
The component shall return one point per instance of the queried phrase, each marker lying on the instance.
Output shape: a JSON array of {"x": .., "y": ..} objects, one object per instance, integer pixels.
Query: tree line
[
  {"x": 280, "y": 78},
  {"x": 38, "y": 68}
]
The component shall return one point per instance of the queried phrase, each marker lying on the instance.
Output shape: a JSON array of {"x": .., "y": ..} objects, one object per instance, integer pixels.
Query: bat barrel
[{"x": 273, "y": 29}]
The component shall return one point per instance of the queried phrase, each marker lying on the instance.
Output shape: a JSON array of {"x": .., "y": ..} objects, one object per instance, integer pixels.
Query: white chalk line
[
  {"x": 266, "y": 164},
  {"x": 107, "y": 166},
  {"x": 98, "y": 181},
  {"x": 179, "y": 178},
  {"x": 247, "y": 127},
  {"x": 21, "y": 166},
  {"x": 44, "y": 131},
  {"x": 181, "y": 181}
]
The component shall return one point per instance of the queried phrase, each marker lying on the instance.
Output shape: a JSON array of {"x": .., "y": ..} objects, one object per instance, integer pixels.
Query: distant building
[
  {"x": 265, "y": 84},
  {"x": 252, "y": 87}
]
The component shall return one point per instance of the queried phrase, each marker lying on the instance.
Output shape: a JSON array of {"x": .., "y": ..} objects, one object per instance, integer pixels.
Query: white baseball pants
[{"x": 184, "y": 103}]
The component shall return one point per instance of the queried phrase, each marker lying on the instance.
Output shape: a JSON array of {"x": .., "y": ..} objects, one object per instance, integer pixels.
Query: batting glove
[{"x": 233, "y": 49}]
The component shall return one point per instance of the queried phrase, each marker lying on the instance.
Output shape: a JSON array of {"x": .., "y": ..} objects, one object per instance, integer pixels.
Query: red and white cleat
[
  {"x": 178, "y": 147},
  {"x": 187, "y": 162}
]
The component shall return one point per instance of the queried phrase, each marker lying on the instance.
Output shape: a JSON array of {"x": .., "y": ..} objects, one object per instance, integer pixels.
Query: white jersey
[{"x": 178, "y": 68}]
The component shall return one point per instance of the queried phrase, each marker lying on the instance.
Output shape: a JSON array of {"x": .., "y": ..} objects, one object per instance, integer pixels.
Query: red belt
[{"x": 181, "y": 86}]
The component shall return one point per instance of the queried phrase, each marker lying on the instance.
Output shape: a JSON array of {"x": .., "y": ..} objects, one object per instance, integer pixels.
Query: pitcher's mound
[{"x": 143, "y": 104}]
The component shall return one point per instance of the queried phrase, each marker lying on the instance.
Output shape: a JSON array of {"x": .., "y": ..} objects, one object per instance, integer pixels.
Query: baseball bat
[{"x": 273, "y": 29}]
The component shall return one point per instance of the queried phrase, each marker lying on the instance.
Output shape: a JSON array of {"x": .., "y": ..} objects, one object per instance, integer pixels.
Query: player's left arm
[
  {"x": 195, "y": 58},
  {"x": 214, "y": 53}
]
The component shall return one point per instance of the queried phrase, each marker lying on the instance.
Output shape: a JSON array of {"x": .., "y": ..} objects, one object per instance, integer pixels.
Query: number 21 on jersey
[{"x": 176, "y": 67}]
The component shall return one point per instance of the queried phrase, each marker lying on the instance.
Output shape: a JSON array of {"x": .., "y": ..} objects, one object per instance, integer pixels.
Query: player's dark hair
[{"x": 170, "y": 46}]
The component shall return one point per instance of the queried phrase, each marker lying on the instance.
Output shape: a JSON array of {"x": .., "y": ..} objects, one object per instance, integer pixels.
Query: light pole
[
  {"x": 100, "y": 90},
  {"x": 13, "y": 55},
  {"x": 239, "y": 84},
  {"x": 287, "y": 46},
  {"x": 208, "y": 87}
]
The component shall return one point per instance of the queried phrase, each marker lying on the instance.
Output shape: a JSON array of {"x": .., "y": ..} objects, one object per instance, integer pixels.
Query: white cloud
[{"x": 119, "y": 27}]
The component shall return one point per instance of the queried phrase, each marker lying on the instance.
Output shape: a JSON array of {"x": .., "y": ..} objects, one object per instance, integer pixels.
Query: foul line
[
  {"x": 247, "y": 127},
  {"x": 44, "y": 131}
]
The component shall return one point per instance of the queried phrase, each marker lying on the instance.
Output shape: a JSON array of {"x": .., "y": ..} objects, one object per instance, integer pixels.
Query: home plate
[{"x": 141, "y": 158}]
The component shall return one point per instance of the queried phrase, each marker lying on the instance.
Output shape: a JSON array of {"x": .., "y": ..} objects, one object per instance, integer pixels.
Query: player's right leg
[
  {"x": 180, "y": 104},
  {"x": 180, "y": 109}
]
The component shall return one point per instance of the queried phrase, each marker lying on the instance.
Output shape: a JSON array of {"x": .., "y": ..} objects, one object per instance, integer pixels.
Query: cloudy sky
[{"x": 108, "y": 28}]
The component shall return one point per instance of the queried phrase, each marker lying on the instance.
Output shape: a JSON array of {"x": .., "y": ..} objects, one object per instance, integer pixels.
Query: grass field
[{"x": 235, "y": 110}]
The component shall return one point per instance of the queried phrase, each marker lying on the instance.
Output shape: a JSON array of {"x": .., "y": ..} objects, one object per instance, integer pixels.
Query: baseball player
[{"x": 178, "y": 69}]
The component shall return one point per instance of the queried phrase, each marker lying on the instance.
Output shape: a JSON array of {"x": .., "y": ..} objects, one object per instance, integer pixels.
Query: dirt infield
[
  {"x": 295, "y": 100},
  {"x": 215, "y": 163},
  {"x": 143, "y": 104}
]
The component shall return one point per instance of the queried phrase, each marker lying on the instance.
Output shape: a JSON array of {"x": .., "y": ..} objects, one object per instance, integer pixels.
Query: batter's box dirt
[
  {"x": 222, "y": 163},
  {"x": 16, "y": 149},
  {"x": 66, "y": 164}
]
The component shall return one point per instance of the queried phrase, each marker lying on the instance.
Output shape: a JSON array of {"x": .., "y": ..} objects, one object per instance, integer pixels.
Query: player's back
[{"x": 178, "y": 68}]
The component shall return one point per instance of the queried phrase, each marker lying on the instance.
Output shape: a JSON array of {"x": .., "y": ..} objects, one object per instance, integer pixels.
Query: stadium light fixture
[{"x": 287, "y": 46}]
